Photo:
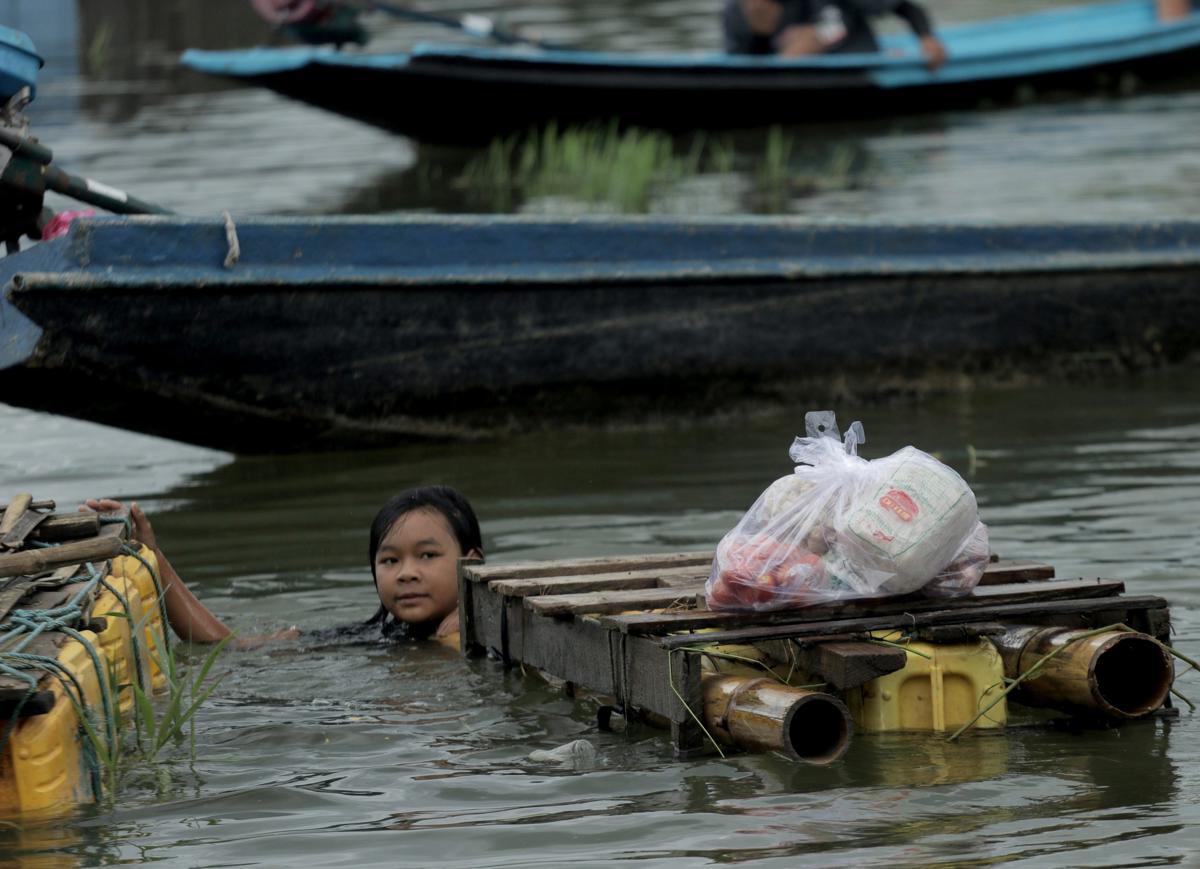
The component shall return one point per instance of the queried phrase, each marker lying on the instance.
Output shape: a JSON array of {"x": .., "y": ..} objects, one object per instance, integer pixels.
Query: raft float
[
  {"x": 635, "y": 633},
  {"x": 81, "y": 622}
]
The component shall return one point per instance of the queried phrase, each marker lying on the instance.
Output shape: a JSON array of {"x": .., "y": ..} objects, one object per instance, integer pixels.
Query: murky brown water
[{"x": 410, "y": 756}]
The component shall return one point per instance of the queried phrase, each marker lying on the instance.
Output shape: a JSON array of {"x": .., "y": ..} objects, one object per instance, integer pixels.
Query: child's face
[{"x": 416, "y": 568}]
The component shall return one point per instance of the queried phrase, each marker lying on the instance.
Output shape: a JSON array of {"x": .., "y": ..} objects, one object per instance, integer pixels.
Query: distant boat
[
  {"x": 332, "y": 332},
  {"x": 446, "y": 93}
]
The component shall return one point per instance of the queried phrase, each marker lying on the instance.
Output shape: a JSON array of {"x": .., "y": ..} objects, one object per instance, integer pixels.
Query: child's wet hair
[{"x": 448, "y": 502}]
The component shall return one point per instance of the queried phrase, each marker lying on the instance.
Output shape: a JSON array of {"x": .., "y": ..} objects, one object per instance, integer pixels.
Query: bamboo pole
[{"x": 40, "y": 560}]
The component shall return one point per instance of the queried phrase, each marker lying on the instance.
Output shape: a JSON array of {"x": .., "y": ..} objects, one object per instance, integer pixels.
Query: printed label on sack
[{"x": 908, "y": 507}]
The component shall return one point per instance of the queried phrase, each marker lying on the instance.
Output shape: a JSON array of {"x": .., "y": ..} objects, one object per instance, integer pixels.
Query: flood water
[{"x": 318, "y": 755}]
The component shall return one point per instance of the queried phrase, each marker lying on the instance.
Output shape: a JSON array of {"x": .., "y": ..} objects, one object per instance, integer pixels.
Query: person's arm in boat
[
  {"x": 1173, "y": 10},
  {"x": 918, "y": 20}
]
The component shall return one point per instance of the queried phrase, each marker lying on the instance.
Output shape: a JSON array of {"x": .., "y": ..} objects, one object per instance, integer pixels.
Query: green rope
[
  {"x": 158, "y": 590},
  {"x": 24, "y": 626},
  {"x": 119, "y": 520},
  {"x": 134, "y": 630}
]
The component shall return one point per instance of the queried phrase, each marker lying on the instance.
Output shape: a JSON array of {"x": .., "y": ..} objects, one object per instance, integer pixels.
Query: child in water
[{"x": 415, "y": 543}]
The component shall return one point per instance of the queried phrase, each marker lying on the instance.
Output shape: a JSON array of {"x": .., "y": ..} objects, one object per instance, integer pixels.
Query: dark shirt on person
[
  {"x": 855, "y": 18},
  {"x": 740, "y": 39}
]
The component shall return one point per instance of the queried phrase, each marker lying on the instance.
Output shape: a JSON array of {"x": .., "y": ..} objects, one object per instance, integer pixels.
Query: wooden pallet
[{"x": 622, "y": 627}]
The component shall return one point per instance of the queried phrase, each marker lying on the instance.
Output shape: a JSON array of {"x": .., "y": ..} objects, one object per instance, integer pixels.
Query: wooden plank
[
  {"x": 14, "y": 511},
  {"x": 67, "y": 526},
  {"x": 39, "y": 560},
  {"x": 15, "y": 538},
  {"x": 1099, "y": 610},
  {"x": 629, "y": 579},
  {"x": 582, "y": 566},
  {"x": 33, "y": 505},
  {"x": 614, "y": 601},
  {"x": 863, "y": 607},
  {"x": 850, "y": 664},
  {"x": 1003, "y": 572}
]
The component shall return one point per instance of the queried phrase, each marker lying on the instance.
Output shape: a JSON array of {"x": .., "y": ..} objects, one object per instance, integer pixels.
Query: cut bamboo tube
[
  {"x": 762, "y": 714},
  {"x": 1122, "y": 674}
]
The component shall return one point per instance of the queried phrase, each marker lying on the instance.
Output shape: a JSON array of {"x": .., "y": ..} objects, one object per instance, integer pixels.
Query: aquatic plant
[
  {"x": 628, "y": 170},
  {"x": 159, "y": 718},
  {"x": 184, "y": 696},
  {"x": 594, "y": 164}
]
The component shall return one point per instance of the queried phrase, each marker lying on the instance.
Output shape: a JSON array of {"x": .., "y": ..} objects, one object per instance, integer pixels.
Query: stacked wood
[{"x": 43, "y": 559}]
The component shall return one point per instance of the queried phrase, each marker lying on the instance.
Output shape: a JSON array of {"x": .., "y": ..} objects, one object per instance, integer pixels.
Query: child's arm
[{"x": 191, "y": 620}]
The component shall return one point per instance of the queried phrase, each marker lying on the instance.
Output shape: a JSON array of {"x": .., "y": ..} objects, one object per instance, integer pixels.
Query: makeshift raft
[
  {"x": 80, "y": 624},
  {"x": 637, "y": 632}
]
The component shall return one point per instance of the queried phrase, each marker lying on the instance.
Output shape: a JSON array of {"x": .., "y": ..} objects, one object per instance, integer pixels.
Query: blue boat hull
[
  {"x": 346, "y": 332},
  {"x": 462, "y": 94}
]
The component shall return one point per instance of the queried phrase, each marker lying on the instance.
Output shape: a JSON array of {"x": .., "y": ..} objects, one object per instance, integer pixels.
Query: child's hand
[{"x": 143, "y": 531}]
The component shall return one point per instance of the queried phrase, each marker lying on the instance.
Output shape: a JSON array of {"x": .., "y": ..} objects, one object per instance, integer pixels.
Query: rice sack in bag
[{"x": 841, "y": 526}]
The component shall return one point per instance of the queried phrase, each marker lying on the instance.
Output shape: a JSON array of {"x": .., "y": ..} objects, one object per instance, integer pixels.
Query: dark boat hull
[
  {"x": 503, "y": 102},
  {"x": 465, "y": 95},
  {"x": 336, "y": 333}
]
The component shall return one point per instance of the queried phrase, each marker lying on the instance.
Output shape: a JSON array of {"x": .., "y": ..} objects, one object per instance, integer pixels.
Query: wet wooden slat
[
  {"x": 850, "y": 664},
  {"x": 1103, "y": 610},
  {"x": 1047, "y": 591},
  {"x": 563, "y": 577},
  {"x": 14, "y": 538},
  {"x": 614, "y": 601},
  {"x": 1003, "y": 572},
  {"x": 629, "y": 579},
  {"x": 14, "y": 511},
  {"x": 33, "y": 505},
  {"x": 67, "y": 526},
  {"x": 585, "y": 566}
]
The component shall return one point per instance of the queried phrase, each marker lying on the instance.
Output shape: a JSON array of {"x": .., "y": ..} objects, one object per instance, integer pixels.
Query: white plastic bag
[{"x": 842, "y": 526}]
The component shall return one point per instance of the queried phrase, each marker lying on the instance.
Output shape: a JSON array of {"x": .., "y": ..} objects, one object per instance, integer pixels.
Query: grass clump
[
  {"x": 160, "y": 719},
  {"x": 629, "y": 170}
]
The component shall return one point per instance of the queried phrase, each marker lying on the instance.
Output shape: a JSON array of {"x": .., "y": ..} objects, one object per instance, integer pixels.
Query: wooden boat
[
  {"x": 446, "y": 93},
  {"x": 294, "y": 333},
  {"x": 636, "y": 635},
  {"x": 80, "y": 625}
]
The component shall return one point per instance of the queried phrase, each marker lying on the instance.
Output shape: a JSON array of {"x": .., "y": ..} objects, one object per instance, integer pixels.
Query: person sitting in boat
[
  {"x": 1174, "y": 10},
  {"x": 798, "y": 27},
  {"x": 416, "y": 541}
]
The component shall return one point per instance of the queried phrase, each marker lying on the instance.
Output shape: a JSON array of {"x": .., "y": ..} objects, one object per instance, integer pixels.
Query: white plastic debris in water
[{"x": 578, "y": 753}]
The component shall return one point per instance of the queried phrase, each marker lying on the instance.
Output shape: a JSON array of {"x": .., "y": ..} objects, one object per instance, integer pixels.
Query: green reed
[
  {"x": 625, "y": 169},
  {"x": 159, "y": 719}
]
